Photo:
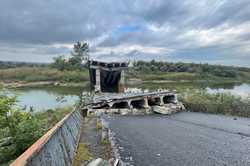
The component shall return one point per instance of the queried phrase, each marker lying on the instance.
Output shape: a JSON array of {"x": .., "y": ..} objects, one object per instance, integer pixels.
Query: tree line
[
  {"x": 80, "y": 51},
  {"x": 217, "y": 70},
  {"x": 7, "y": 65}
]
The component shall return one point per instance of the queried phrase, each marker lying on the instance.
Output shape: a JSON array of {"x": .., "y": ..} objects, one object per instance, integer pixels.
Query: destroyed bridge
[{"x": 58, "y": 146}]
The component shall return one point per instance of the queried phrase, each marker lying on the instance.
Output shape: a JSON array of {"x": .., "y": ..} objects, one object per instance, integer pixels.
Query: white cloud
[
  {"x": 125, "y": 49},
  {"x": 159, "y": 28},
  {"x": 224, "y": 34}
]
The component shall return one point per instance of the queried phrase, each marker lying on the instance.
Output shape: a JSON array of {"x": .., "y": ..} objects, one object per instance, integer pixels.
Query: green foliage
[
  {"x": 221, "y": 103},
  {"x": 59, "y": 63},
  {"x": 50, "y": 117},
  {"x": 98, "y": 125},
  {"x": 78, "y": 54},
  {"x": 82, "y": 155},
  {"x": 80, "y": 50},
  {"x": 30, "y": 74},
  {"x": 21, "y": 128},
  {"x": 8, "y": 65},
  {"x": 175, "y": 76},
  {"x": 202, "y": 71}
]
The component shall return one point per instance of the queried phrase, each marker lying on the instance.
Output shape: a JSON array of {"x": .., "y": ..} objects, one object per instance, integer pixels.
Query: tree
[
  {"x": 78, "y": 55},
  {"x": 80, "y": 51},
  {"x": 59, "y": 63}
]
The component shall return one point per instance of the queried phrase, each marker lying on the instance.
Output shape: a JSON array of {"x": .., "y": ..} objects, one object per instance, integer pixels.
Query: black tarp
[{"x": 110, "y": 81}]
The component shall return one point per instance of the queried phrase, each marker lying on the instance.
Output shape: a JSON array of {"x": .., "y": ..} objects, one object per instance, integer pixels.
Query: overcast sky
[{"x": 212, "y": 31}]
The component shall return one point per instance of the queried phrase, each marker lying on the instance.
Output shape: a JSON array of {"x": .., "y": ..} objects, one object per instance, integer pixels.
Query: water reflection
[
  {"x": 242, "y": 90},
  {"x": 45, "y": 98}
]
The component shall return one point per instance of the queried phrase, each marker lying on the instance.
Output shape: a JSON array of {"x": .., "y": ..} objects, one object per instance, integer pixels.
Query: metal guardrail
[{"x": 57, "y": 146}]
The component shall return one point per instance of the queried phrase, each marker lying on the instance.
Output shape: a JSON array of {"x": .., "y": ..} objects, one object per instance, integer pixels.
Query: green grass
[
  {"x": 52, "y": 116},
  {"x": 34, "y": 74},
  {"x": 39, "y": 74},
  {"x": 219, "y": 103},
  {"x": 82, "y": 155},
  {"x": 170, "y": 76},
  {"x": 186, "y": 77},
  {"x": 98, "y": 125}
]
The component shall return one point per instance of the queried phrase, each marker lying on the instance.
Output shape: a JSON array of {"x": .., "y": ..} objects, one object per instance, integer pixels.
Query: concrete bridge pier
[
  {"x": 146, "y": 106},
  {"x": 130, "y": 105},
  {"x": 161, "y": 100},
  {"x": 98, "y": 80}
]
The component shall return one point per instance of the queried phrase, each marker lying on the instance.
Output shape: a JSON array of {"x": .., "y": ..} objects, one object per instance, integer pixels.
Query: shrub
[
  {"x": 20, "y": 129},
  {"x": 221, "y": 103}
]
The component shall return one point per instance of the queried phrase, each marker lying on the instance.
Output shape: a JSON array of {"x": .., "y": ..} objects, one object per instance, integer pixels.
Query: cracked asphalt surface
[{"x": 183, "y": 139}]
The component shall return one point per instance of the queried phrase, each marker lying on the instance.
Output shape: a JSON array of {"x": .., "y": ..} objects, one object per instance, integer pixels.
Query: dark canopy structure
[{"x": 107, "y": 77}]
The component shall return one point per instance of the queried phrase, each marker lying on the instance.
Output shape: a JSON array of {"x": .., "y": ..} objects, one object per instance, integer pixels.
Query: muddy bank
[{"x": 21, "y": 84}]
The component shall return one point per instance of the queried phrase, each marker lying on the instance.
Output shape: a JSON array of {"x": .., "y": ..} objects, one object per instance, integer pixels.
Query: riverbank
[
  {"x": 33, "y": 76},
  {"x": 22, "y": 84},
  {"x": 42, "y": 74},
  {"x": 183, "y": 77}
]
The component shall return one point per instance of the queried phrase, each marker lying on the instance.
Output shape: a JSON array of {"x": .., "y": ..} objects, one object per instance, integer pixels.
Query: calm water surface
[
  {"x": 44, "y": 98},
  {"x": 239, "y": 89},
  {"x": 242, "y": 90}
]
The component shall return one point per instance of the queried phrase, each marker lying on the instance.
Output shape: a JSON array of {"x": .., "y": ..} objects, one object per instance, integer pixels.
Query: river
[{"x": 44, "y": 98}]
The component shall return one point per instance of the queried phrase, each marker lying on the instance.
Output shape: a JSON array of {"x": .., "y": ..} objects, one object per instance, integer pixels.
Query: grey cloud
[
  {"x": 51, "y": 21},
  {"x": 31, "y": 27}
]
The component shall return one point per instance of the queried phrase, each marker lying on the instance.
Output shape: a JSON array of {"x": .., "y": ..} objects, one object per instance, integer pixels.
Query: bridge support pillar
[
  {"x": 98, "y": 80},
  {"x": 146, "y": 102},
  {"x": 175, "y": 99},
  {"x": 122, "y": 82},
  {"x": 129, "y": 104},
  {"x": 161, "y": 100}
]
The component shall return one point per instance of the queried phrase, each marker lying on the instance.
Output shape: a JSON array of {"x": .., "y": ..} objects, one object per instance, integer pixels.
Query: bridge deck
[
  {"x": 182, "y": 139},
  {"x": 124, "y": 96}
]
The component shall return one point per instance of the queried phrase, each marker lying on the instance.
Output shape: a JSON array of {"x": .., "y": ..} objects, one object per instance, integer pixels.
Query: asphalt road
[{"x": 183, "y": 139}]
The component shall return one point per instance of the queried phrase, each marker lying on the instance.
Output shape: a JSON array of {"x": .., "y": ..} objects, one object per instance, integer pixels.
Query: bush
[
  {"x": 30, "y": 74},
  {"x": 207, "y": 70},
  {"x": 221, "y": 103},
  {"x": 20, "y": 129}
]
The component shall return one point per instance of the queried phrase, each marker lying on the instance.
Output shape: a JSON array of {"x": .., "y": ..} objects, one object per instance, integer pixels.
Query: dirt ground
[{"x": 91, "y": 146}]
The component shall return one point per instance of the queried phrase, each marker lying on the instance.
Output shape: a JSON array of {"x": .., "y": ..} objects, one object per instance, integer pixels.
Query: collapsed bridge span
[{"x": 164, "y": 102}]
